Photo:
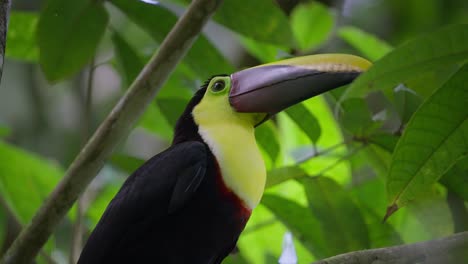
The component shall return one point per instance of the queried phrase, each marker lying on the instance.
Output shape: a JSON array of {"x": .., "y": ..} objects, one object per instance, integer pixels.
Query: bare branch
[
  {"x": 448, "y": 250},
  {"x": 114, "y": 128}
]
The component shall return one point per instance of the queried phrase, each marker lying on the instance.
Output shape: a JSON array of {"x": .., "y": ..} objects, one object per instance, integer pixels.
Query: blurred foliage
[{"x": 396, "y": 136}]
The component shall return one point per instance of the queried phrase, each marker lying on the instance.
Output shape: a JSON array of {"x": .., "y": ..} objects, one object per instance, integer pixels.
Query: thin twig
[
  {"x": 323, "y": 152},
  {"x": 86, "y": 124},
  {"x": 115, "y": 127},
  {"x": 338, "y": 161},
  {"x": 17, "y": 227},
  {"x": 448, "y": 250}
]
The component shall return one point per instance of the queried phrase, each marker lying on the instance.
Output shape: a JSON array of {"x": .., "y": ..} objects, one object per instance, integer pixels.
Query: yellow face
[
  {"x": 215, "y": 106},
  {"x": 230, "y": 136}
]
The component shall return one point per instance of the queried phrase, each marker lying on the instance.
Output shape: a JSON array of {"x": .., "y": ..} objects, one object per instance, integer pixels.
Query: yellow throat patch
[{"x": 230, "y": 136}]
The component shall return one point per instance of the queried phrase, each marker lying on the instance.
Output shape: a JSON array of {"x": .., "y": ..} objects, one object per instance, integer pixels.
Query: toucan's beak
[{"x": 273, "y": 87}]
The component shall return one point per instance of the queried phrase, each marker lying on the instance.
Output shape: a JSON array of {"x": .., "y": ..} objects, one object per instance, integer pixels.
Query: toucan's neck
[{"x": 231, "y": 138}]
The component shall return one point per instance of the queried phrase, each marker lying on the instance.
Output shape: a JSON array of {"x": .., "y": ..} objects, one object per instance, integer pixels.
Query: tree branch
[
  {"x": 114, "y": 128},
  {"x": 448, "y": 250}
]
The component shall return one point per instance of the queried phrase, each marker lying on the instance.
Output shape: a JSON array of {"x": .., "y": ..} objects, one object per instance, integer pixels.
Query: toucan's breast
[{"x": 204, "y": 230}]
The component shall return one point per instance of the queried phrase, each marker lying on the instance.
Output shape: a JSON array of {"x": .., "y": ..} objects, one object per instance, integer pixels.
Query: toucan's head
[{"x": 254, "y": 94}]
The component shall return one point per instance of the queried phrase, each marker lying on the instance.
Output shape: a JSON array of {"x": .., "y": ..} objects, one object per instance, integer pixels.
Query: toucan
[{"x": 190, "y": 203}]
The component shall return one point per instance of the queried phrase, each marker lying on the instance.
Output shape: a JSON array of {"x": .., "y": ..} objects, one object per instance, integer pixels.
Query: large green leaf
[
  {"x": 267, "y": 139},
  {"x": 311, "y": 24},
  {"x": 305, "y": 120},
  {"x": 203, "y": 58},
  {"x": 340, "y": 218},
  {"x": 357, "y": 118},
  {"x": 4, "y": 131},
  {"x": 406, "y": 102},
  {"x": 25, "y": 180},
  {"x": 129, "y": 61},
  {"x": 262, "y": 51},
  {"x": 171, "y": 108},
  {"x": 300, "y": 222},
  {"x": 261, "y": 20},
  {"x": 280, "y": 175},
  {"x": 368, "y": 45},
  {"x": 21, "y": 36},
  {"x": 436, "y": 138},
  {"x": 456, "y": 179},
  {"x": 436, "y": 50},
  {"x": 68, "y": 35}
]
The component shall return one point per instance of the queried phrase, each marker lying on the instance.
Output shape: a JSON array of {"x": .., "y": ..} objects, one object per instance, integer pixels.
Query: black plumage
[{"x": 173, "y": 209}]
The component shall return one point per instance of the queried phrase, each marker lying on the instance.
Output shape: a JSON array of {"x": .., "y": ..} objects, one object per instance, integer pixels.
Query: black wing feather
[{"x": 159, "y": 187}]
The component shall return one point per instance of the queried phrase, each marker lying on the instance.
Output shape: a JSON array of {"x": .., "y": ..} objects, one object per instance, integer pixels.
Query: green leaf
[
  {"x": 340, "y": 218},
  {"x": 100, "y": 203},
  {"x": 128, "y": 59},
  {"x": 153, "y": 121},
  {"x": 171, "y": 108},
  {"x": 267, "y": 139},
  {"x": 300, "y": 222},
  {"x": 406, "y": 102},
  {"x": 435, "y": 138},
  {"x": 68, "y": 34},
  {"x": 456, "y": 179},
  {"x": 25, "y": 180},
  {"x": 203, "y": 58},
  {"x": 126, "y": 163},
  {"x": 385, "y": 141},
  {"x": 367, "y": 44},
  {"x": 264, "y": 52},
  {"x": 261, "y": 20},
  {"x": 312, "y": 24},
  {"x": 280, "y": 175},
  {"x": 357, "y": 118},
  {"x": 435, "y": 50},
  {"x": 21, "y": 36},
  {"x": 305, "y": 120},
  {"x": 4, "y": 131}
]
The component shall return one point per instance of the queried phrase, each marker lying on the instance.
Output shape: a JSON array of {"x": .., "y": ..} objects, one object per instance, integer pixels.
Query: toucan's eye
[{"x": 218, "y": 86}]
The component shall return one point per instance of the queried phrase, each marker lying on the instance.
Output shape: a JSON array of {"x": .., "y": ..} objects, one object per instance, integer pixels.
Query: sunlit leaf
[
  {"x": 340, "y": 218},
  {"x": 262, "y": 20},
  {"x": 264, "y": 52},
  {"x": 25, "y": 180},
  {"x": 436, "y": 50},
  {"x": 203, "y": 57},
  {"x": 406, "y": 102},
  {"x": 128, "y": 59},
  {"x": 305, "y": 120},
  {"x": 280, "y": 175},
  {"x": 267, "y": 139},
  {"x": 456, "y": 179},
  {"x": 311, "y": 24},
  {"x": 367, "y": 44},
  {"x": 68, "y": 35},
  {"x": 435, "y": 138},
  {"x": 21, "y": 36},
  {"x": 370, "y": 195},
  {"x": 300, "y": 222}
]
